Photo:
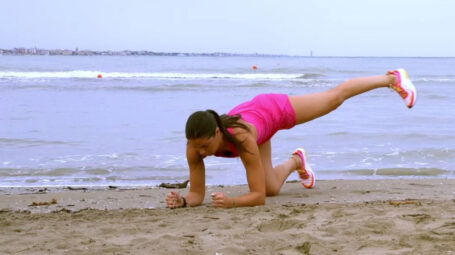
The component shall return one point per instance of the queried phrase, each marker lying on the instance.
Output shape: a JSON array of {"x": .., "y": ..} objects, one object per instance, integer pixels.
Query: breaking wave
[{"x": 151, "y": 75}]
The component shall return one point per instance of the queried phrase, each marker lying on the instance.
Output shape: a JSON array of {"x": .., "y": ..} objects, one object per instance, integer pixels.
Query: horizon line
[{"x": 87, "y": 52}]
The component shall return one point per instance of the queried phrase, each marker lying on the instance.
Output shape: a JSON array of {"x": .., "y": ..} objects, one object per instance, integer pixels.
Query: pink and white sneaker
[
  {"x": 405, "y": 88},
  {"x": 307, "y": 177}
]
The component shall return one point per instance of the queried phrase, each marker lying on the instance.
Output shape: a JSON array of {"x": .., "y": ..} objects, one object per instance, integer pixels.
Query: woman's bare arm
[
  {"x": 255, "y": 175},
  {"x": 197, "y": 178}
]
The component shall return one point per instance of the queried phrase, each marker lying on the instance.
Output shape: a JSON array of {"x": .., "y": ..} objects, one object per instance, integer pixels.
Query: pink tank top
[{"x": 268, "y": 113}]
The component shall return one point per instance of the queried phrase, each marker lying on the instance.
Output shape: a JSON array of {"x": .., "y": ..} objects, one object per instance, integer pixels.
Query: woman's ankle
[
  {"x": 392, "y": 78},
  {"x": 297, "y": 161}
]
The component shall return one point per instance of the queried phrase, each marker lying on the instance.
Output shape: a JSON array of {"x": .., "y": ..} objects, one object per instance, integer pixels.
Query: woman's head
[
  {"x": 205, "y": 131},
  {"x": 201, "y": 124}
]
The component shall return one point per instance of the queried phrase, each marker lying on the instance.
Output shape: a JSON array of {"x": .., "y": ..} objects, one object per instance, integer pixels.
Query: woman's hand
[
  {"x": 221, "y": 200},
  {"x": 174, "y": 200}
]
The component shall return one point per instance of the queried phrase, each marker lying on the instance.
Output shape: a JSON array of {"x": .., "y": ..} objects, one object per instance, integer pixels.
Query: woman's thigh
[
  {"x": 311, "y": 106},
  {"x": 271, "y": 185}
]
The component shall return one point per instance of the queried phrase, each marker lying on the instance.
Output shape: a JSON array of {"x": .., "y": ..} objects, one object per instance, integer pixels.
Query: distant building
[
  {"x": 32, "y": 51},
  {"x": 43, "y": 52},
  {"x": 20, "y": 51},
  {"x": 67, "y": 52}
]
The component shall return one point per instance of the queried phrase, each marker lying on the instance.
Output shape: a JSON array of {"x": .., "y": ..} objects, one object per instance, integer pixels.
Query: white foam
[
  {"x": 156, "y": 75},
  {"x": 433, "y": 80}
]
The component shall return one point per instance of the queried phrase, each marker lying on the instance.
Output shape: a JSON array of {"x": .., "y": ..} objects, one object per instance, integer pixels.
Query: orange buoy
[
  {"x": 100, "y": 76},
  {"x": 255, "y": 67}
]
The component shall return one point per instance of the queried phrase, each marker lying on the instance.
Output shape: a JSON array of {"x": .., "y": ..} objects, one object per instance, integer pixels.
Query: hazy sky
[{"x": 294, "y": 27}]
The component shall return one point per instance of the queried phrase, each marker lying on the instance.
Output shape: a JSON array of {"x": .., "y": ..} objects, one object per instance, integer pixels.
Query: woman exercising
[{"x": 246, "y": 132}]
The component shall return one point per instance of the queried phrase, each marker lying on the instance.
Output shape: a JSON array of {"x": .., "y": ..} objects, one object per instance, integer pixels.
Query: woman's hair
[{"x": 202, "y": 124}]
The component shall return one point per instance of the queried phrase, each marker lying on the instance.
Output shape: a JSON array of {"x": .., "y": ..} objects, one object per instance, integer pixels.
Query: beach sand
[{"x": 336, "y": 217}]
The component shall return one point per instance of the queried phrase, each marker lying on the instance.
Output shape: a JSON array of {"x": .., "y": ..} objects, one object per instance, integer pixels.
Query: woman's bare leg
[
  {"x": 308, "y": 107},
  {"x": 275, "y": 176},
  {"x": 312, "y": 106}
]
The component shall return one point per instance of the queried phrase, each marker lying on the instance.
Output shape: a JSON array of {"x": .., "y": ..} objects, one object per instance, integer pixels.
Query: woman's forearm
[{"x": 250, "y": 199}]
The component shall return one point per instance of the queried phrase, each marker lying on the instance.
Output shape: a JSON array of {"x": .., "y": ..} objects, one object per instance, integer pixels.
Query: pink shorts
[{"x": 268, "y": 113}]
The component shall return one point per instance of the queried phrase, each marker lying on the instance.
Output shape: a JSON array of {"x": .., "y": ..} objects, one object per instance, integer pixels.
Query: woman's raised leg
[{"x": 312, "y": 106}]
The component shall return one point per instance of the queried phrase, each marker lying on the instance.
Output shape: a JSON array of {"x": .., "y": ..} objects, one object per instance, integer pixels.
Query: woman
[{"x": 246, "y": 132}]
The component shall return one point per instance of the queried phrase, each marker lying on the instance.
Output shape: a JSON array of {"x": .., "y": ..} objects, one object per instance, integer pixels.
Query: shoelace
[{"x": 403, "y": 93}]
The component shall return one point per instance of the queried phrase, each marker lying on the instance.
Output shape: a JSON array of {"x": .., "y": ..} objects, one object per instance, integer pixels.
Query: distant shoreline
[{"x": 77, "y": 52}]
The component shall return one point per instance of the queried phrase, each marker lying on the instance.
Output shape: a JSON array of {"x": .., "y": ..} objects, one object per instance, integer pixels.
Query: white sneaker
[
  {"x": 405, "y": 88},
  {"x": 307, "y": 177}
]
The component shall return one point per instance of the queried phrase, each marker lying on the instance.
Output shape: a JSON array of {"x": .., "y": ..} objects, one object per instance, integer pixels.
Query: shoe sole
[{"x": 406, "y": 83}]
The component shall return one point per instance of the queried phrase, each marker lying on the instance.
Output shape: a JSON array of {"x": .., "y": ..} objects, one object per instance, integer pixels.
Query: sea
[{"x": 61, "y": 125}]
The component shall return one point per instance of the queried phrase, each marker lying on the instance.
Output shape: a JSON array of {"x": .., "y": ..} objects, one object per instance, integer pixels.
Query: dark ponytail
[{"x": 202, "y": 124}]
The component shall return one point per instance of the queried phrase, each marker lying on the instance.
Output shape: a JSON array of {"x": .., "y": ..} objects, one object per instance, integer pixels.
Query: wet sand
[{"x": 336, "y": 217}]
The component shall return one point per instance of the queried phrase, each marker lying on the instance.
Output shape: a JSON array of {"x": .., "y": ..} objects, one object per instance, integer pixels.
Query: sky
[{"x": 397, "y": 28}]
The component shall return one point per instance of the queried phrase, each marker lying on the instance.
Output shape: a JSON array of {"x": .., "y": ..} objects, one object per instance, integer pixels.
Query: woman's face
[{"x": 206, "y": 146}]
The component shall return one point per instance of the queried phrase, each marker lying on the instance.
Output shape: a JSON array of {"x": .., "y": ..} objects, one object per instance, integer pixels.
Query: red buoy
[
  {"x": 255, "y": 67},
  {"x": 100, "y": 76}
]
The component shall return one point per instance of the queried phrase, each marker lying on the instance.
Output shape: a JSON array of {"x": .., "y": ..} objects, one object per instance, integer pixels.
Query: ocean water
[{"x": 61, "y": 125}]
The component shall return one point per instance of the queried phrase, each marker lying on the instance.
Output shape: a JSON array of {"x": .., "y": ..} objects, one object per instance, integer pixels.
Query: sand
[{"x": 337, "y": 217}]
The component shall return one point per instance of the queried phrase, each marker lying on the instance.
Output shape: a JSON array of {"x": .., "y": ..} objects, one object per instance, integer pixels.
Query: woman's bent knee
[
  {"x": 271, "y": 192},
  {"x": 337, "y": 101},
  {"x": 336, "y": 98}
]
